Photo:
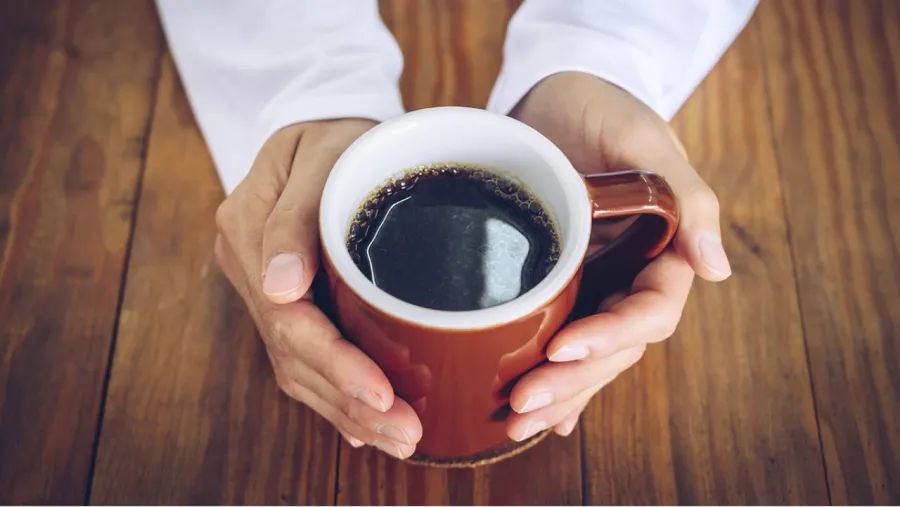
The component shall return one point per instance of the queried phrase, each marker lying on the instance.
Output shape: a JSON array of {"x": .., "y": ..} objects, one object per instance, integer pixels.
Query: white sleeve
[
  {"x": 251, "y": 67},
  {"x": 658, "y": 50}
]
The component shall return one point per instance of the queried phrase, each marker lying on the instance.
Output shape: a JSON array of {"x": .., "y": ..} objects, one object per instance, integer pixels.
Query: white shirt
[{"x": 251, "y": 67}]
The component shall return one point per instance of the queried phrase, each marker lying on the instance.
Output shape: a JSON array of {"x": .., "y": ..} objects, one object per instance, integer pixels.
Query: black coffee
[{"x": 453, "y": 237}]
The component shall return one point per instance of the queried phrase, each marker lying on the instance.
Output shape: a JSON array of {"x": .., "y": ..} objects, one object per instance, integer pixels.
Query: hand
[
  {"x": 268, "y": 247},
  {"x": 602, "y": 128}
]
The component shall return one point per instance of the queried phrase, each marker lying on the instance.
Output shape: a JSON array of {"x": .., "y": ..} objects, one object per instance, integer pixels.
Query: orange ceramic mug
[{"x": 456, "y": 368}]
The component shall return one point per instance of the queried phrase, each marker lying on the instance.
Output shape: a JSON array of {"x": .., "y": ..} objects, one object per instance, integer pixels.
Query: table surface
[{"x": 130, "y": 373}]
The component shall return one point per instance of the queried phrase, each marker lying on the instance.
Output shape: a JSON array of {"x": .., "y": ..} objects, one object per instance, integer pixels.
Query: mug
[{"x": 456, "y": 369}]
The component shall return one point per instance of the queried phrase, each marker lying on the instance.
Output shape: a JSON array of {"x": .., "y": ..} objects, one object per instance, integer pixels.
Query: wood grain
[
  {"x": 452, "y": 49},
  {"x": 193, "y": 415},
  {"x": 781, "y": 385},
  {"x": 548, "y": 474},
  {"x": 76, "y": 83},
  {"x": 452, "y": 52},
  {"x": 833, "y": 74},
  {"x": 722, "y": 412}
]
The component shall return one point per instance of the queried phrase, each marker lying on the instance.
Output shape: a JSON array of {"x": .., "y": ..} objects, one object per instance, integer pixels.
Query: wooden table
[{"x": 130, "y": 372}]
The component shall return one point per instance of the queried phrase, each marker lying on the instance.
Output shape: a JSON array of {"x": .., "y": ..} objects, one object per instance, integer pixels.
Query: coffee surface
[{"x": 453, "y": 237}]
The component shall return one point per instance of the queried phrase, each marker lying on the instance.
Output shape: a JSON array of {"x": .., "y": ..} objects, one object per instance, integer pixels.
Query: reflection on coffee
[{"x": 453, "y": 237}]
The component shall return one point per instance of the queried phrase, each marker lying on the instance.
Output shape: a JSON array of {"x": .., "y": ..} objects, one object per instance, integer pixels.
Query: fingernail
[
  {"x": 284, "y": 273},
  {"x": 355, "y": 442},
  {"x": 570, "y": 353},
  {"x": 532, "y": 430},
  {"x": 566, "y": 431},
  {"x": 388, "y": 448},
  {"x": 536, "y": 401},
  {"x": 394, "y": 433},
  {"x": 566, "y": 428},
  {"x": 370, "y": 398},
  {"x": 714, "y": 255}
]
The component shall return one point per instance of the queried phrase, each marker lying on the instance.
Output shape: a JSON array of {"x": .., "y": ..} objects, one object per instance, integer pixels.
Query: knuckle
[
  {"x": 704, "y": 199},
  {"x": 641, "y": 126},
  {"x": 278, "y": 331},
  {"x": 345, "y": 406},
  {"x": 263, "y": 197},
  {"x": 354, "y": 410},
  {"x": 664, "y": 328},
  {"x": 636, "y": 354},
  {"x": 224, "y": 215}
]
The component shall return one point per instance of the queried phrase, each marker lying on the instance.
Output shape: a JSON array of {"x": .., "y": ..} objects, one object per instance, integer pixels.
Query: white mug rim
[{"x": 574, "y": 245}]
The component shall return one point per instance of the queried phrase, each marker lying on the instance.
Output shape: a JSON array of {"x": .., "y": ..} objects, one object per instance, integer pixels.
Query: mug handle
[{"x": 616, "y": 196}]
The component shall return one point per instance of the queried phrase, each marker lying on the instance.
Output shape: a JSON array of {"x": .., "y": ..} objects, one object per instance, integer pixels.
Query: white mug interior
[{"x": 456, "y": 135}]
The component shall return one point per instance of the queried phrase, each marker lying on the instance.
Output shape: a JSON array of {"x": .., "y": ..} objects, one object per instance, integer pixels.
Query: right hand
[{"x": 268, "y": 247}]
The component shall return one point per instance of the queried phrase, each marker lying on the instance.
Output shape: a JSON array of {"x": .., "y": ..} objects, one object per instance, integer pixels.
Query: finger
[
  {"x": 396, "y": 432},
  {"x": 650, "y": 314},
  {"x": 344, "y": 423},
  {"x": 411, "y": 381},
  {"x": 699, "y": 238},
  {"x": 301, "y": 331},
  {"x": 353, "y": 441},
  {"x": 567, "y": 425},
  {"x": 556, "y": 383},
  {"x": 291, "y": 238},
  {"x": 699, "y": 235},
  {"x": 520, "y": 427},
  {"x": 647, "y": 142},
  {"x": 240, "y": 216},
  {"x": 399, "y": 425},
  {"x": 356, "y": 396}
]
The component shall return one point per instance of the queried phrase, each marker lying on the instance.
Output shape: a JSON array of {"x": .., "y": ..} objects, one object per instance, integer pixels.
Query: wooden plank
[
  {"x": 193, "y": 415},
  {"x": 76, "y": 84},
  {"x": 452, "y": 49},
  {"x": 833, "y": 72},
  {"x": 453, "y": 52},
  {"x": 722, "y": 412},
  {"x": 548, "y": 474}
]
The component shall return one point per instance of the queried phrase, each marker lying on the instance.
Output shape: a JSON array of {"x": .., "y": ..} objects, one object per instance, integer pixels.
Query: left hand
[{"x": 602, "y": 128}]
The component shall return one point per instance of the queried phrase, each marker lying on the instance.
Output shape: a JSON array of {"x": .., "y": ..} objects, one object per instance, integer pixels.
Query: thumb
[
  {"x": 290, "y": 246},
  {"x": 699, "y": 238},
  {"x": 291, "y": 238}
]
